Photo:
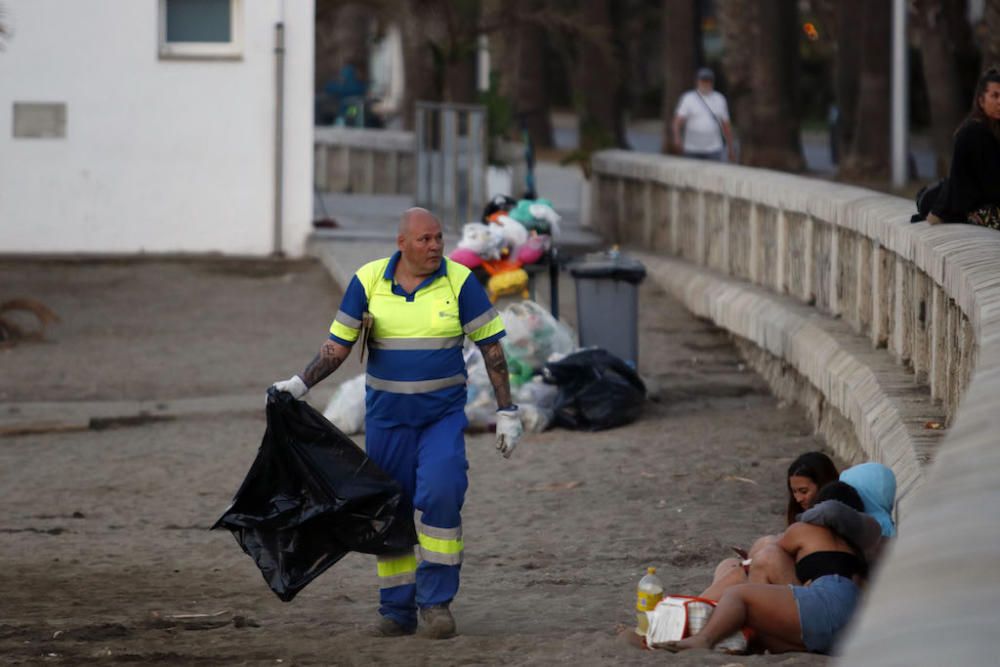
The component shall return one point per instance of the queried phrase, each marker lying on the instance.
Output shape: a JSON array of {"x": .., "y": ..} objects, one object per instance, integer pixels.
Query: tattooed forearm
[
  {"x": 330, "y": 356},
  {"x": 496, "y": 368}
]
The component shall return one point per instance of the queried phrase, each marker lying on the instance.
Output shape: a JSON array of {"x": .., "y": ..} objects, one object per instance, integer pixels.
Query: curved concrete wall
[{"x": 929, "y": 295}]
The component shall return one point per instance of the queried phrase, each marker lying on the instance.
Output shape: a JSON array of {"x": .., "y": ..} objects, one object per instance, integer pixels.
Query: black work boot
[
  {"x": 438, "y": 622},
  {"x": 387, "y": 627}
]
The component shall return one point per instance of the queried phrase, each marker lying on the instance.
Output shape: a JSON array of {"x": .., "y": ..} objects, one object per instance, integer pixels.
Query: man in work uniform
[{"x": 422, "y": 306}]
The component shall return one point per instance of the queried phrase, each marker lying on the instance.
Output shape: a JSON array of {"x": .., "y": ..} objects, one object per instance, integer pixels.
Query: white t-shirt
[{"x": 702, "y": 133}]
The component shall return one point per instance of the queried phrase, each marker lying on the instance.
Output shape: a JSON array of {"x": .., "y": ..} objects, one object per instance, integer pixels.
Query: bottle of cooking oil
[{"x": 648, "y": 594}]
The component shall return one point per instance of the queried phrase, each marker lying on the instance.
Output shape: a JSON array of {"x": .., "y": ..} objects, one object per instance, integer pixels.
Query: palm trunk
[
  {"x": 599, "y": 83},
  {"x": 421, "y": 27},
  {"x": 681, "y": 57},
  {"x": 941, "y": 77},
  {"x": 868, "y": 157},
  {"x": 991, "y": 36},
  {"x": 532, "y": 94},
  {"x": 733, "y": 17},
  {"x": 772, "y": 139}
]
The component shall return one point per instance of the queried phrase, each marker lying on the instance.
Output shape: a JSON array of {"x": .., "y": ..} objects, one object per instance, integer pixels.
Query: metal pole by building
[
  {"x": 279, "y": 133},
  {"x": 900, "y": 95}
]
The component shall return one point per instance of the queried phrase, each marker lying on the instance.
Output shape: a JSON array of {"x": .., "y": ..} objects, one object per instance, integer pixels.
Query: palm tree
[
  {"x": 518, "y": 57},
  {"x": 737, "y": 54},
  {"x": 598, "y": 81},
  {"x": 681, "y": 56},
  {"x": 769, "y": 115},
  {"x": 991, "y": 35},
  {"x": 868, "y": 156}
]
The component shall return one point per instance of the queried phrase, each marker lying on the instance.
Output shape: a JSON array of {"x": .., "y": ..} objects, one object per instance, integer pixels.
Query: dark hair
[
  {"x": 843, "y": 492},
  {"x": 818, "y": 467},
  {"x": 976, "y": 114}
]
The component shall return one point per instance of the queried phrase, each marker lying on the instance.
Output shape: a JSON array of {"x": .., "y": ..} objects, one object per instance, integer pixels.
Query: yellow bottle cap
[{"x": 651, "y": 570}]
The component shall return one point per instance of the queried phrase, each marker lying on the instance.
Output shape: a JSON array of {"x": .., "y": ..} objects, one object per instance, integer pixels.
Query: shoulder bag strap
[{"x": 722, "y": 132}]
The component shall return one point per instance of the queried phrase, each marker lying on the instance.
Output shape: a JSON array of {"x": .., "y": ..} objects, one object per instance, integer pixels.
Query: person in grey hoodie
[{"x": 876, "y": 484}]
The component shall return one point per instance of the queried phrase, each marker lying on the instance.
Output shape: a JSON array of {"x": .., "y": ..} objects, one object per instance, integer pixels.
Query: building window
[{"x": 201, "y": 29}]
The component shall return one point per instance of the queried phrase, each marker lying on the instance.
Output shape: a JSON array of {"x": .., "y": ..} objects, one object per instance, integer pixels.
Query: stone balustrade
[
  {"x": 759, "y": 251},
  {"x": 373, "y": 161},
  {"x": 364, "y": 161}
]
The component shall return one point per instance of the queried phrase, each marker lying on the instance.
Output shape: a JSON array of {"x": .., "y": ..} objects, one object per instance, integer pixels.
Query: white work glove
[
  {"x": 509, "y": 431},
  {"x": 293, "y": 385}
]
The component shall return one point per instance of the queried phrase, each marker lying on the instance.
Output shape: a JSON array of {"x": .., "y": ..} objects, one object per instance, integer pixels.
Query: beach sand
[{"x": 105, "y": 551}]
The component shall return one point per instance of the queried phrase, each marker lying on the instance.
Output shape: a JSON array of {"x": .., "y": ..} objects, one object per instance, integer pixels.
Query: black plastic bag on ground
[
  {"x": 597, "y": 390},
  {"x": 311, "y": 496}
]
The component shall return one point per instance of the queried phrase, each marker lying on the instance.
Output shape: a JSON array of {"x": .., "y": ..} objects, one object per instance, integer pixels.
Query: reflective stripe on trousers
[
  {"x": 430, "y": 465},
  {"x": 443, "y": 546},
  {"x": 397, "y": 570}
]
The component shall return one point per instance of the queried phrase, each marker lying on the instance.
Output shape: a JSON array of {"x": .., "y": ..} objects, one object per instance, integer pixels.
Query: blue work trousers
[{"x": 429, "y": 463}]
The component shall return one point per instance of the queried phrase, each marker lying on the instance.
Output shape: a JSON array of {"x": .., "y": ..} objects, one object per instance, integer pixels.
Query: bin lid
[{"x": 609, "y": 265}]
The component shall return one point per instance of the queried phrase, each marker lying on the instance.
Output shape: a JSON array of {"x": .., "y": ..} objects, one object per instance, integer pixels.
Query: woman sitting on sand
[
  {"x": 766, "y": 563},
  {"x": 828, "y": 548}
]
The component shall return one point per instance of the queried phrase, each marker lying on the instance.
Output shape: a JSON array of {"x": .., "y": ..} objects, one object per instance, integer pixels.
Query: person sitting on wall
[{"x": 971, "y": 194}]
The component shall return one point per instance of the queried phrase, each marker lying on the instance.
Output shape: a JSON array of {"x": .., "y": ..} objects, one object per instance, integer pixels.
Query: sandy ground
[{"x": 104, "y": 540}]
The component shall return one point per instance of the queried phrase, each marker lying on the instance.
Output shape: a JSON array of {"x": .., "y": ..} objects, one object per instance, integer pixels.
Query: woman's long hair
[
  {"x": 818, "y": 467},
  {"x": 976, "y": 114}
]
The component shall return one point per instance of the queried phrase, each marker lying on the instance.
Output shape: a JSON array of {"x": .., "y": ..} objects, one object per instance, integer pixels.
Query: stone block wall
[{"x": 930, "y": 296}]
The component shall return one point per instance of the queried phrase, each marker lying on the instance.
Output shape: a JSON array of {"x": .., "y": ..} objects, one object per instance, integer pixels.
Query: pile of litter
[{"x": 552, "y": 381}]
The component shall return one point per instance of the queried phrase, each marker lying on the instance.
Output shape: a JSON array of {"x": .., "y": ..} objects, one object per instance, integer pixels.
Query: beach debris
[
  {"x": 11, "y": 332},
  {"x": 737, "y": 478},
  {"x": 201, "y": 621},
  {"x": 934, "y": 426},
  {"x": 557, "y": 486}
]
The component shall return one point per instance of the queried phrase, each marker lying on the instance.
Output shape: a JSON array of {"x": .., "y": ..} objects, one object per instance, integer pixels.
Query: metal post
[
  {"x": 423, "y": 158},
  {"x": 900, "y": 95},
  {"x": 279, "y": 127},
  {"x": 449, "y": 167},
  {"x": 554, "y": 282},
  {"x": 475, "y": 159}
]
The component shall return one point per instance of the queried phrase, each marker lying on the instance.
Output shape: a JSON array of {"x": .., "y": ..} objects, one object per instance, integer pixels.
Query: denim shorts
[{"x": 825, "y": 608}]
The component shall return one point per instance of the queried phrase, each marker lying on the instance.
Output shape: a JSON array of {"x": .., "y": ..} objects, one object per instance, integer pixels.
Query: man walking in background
[
  {"x": 701, "y": 123},
  {"x": 412, "y": 312}
]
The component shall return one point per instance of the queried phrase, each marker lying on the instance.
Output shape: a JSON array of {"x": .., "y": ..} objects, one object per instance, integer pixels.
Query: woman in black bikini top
[
  {"x": 822, "y": 563},
  {"x": 798, "y": 618}
]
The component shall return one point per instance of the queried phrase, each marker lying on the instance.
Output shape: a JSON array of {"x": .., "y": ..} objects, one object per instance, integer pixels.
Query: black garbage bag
[
  {"x": 311, "y": 496},
  {"x": 597, "y": 390}
]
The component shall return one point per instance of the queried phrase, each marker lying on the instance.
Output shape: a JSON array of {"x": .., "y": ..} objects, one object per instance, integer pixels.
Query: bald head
[
  {"x": 420, "y": 242},
  {"x": 413, "y": 216}
]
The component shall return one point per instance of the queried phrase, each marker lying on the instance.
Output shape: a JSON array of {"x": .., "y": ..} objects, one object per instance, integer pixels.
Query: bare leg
[
  {"x": 769, "y": 610},
  {"x": 773, "y": 565},
  {"x": 763, "y": 543},
  {"x": 728, "y": 573}
]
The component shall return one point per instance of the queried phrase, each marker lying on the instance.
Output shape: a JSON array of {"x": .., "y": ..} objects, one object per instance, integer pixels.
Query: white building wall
[{"x": 159, "y": 155}]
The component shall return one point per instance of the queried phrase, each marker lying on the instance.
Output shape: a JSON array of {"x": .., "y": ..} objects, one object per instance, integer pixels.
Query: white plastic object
[{"x": 346, "y": 409}]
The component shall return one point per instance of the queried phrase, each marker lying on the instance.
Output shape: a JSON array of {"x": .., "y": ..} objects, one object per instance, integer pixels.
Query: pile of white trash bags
[{"x": 533, "y": 338}]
